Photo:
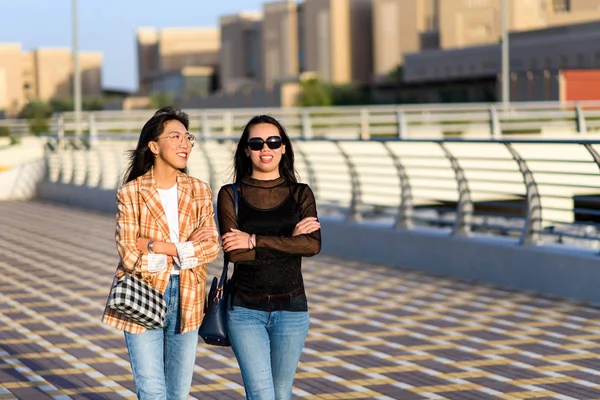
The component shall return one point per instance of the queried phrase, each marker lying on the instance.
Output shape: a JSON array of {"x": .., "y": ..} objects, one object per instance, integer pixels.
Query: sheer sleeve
[
  {"x": 306, "y": 245},
  {"x": 228, "y": 221}
]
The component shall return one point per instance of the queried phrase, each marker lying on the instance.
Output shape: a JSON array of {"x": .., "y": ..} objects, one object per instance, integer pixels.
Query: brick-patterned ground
[{"x": 376, "y": 332}]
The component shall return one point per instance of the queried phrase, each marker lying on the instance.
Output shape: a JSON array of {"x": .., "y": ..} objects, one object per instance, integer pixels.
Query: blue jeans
[
  {"x": 162, "y": 360},
  {"x": 267, "y": 346}
]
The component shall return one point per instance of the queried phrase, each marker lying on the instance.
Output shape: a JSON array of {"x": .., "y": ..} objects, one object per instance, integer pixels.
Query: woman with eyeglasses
[
  {"x": 166, "y": 234},
  {"x": 276, "y": 225}
]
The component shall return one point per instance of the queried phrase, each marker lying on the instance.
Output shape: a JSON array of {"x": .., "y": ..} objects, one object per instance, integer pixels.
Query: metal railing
[
  {"x": 435, "y": 121},
  {"x": 530, "y": 191}
]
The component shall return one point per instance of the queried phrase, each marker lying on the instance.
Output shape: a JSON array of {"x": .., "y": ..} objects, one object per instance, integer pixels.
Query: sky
[{"x": 108, "y": 26}]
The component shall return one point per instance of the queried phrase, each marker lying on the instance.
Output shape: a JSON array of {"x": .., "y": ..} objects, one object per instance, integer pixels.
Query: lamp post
[
  {"x": 76, "y": 71},
  {"x": 505, "y": 56}
]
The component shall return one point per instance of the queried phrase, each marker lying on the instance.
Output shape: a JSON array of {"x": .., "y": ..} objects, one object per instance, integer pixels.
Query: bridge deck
[{"x": 376, "y": 333}]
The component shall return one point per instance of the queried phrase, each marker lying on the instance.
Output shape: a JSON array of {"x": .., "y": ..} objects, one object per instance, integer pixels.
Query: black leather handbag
[{"x": 214, "y": 325}]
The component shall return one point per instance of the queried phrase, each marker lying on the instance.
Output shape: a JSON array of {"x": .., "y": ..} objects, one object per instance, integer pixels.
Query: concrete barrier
[
  {"x": 557, "y": 271},
  {"x": 19, "y": 182}
]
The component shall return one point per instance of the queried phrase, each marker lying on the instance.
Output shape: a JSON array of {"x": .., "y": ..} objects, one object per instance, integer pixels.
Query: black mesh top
[{"x": 269, "y": 276}]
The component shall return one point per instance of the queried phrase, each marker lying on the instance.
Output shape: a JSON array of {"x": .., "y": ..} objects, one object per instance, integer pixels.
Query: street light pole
[
  {"x": 505, "y": 56},
  {"x": 76, "y": 72}
]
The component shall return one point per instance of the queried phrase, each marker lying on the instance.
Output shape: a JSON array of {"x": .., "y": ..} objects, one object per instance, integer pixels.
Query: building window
[
  {"x": 580, "y": 61},
  {"x": 561, "y": 5}
]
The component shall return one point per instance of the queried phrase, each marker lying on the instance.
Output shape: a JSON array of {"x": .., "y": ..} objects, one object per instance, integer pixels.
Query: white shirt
[
  {"x": 158, "y": 262},
  {"x": 168, "y": 198}
]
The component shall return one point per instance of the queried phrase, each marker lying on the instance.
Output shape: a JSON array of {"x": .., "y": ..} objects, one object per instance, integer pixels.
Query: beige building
[
  {"x": 240, "y": 61},
  {"x": 168, "y": 50},
  {"x": 338, "y": 39},
  {"x": 281, "y": 41},
  {"x": 565, "y": 12},
  {"x": 44, "y": 74},
  {"x": 331, "y": 38},
  {"x": 11, "y": 81},
  {"x": 411, "y": 26},
  {"x": 185, "y": 82}
]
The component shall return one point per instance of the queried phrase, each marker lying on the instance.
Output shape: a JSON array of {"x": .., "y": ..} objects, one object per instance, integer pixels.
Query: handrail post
[
  {"x": 464, "y": 208},
  {"x": 356, "y": 201},
  {"x": 92, "y": 131},
  {"x": 404, "y": 218},
  {"x": 581, "y": 123},
  {"x": 532, "y": 228},
  {"x": 204, "y": 126},
  {"x": 212, "y": 179},
  {"x": 306, "y": 124},
  {"x": 61, "y": 130},
  {"x": 364, "y": 124},
  {"x": 593, "y": 153},
  {"x": 312, "y": 178},
  {"x": 227, "y": 123},
  {"x": 496, "y": 131},
  {"x": 401, "y": 123}
]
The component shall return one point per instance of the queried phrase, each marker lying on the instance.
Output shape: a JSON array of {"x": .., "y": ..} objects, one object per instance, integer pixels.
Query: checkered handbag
[{"x": 138, "y": 300}]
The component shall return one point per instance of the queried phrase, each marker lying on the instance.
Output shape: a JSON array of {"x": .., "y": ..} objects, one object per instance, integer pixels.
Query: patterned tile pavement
[{"x": 376, "y": 332}]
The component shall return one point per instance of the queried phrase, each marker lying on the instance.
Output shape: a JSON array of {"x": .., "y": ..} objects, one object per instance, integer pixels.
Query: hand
[
  {"x": 307, "y": 225},
  {"x": 201, "y": 234},
  {"x": 142, "y": 243},
  {"x": 235, "y": 240}
]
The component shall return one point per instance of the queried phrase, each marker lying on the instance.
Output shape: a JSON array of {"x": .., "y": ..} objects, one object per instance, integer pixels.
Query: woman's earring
[{"x": 155, "y": 154}]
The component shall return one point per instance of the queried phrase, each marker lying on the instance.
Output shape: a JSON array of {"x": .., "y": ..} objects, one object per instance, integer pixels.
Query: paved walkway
[{"x": 376, "y": 333}]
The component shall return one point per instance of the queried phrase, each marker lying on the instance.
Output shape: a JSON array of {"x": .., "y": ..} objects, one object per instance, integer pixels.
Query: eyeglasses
[
  {"x": 178, "y": 139},
  {"x": 257, "y": 144}
]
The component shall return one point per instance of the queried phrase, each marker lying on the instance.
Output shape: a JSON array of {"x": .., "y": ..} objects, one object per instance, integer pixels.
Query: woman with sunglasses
[
  {"x": 276, "y": 225},
  {"x": 166, "y": 234}
]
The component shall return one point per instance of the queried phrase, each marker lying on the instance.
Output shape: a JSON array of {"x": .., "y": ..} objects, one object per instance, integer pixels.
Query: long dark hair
[
  {"x": 242, "y": 163},
  {"x": 142, "y": 159}
]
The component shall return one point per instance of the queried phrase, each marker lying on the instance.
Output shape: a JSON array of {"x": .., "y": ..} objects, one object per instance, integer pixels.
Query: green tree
[
  {"x": 61, "y": 105},
  {"x": 96, "y": 104},
  {"x": 397, "y": 74},
  {"x": 348, "y": 95},
  {"x": 38, "y": 114},
  {"x": 314, "y": 94}
]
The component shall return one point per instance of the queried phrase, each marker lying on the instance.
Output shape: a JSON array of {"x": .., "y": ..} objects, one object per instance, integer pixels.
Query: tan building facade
[
  {"x": 280, "y": 41},
  {"x": 330, "y": 38},
  {"x": 338, "y": 40},
  {"x": 172, "y": 49},
  {"x": 44, "y": 74},
  {"x": 411, "y": 26},
  {"x": 397, "y": 29},
  {"x": 11, "y": 82},
  {"x": 240, "y": 61}
]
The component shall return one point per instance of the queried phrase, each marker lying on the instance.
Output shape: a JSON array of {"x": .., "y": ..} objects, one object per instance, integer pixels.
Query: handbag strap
[{"x": 236, "y": 198}]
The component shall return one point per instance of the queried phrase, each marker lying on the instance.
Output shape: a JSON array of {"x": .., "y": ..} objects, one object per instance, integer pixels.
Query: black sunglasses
[{"x": 256, "y": 143}]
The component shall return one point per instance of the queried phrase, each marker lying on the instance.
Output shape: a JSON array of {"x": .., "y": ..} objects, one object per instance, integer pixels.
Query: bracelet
[{"x": 151, "y": 247}]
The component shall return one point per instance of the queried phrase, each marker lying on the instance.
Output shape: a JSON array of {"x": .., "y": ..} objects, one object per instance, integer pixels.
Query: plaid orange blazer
[{"x": 140, "y": 214}]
